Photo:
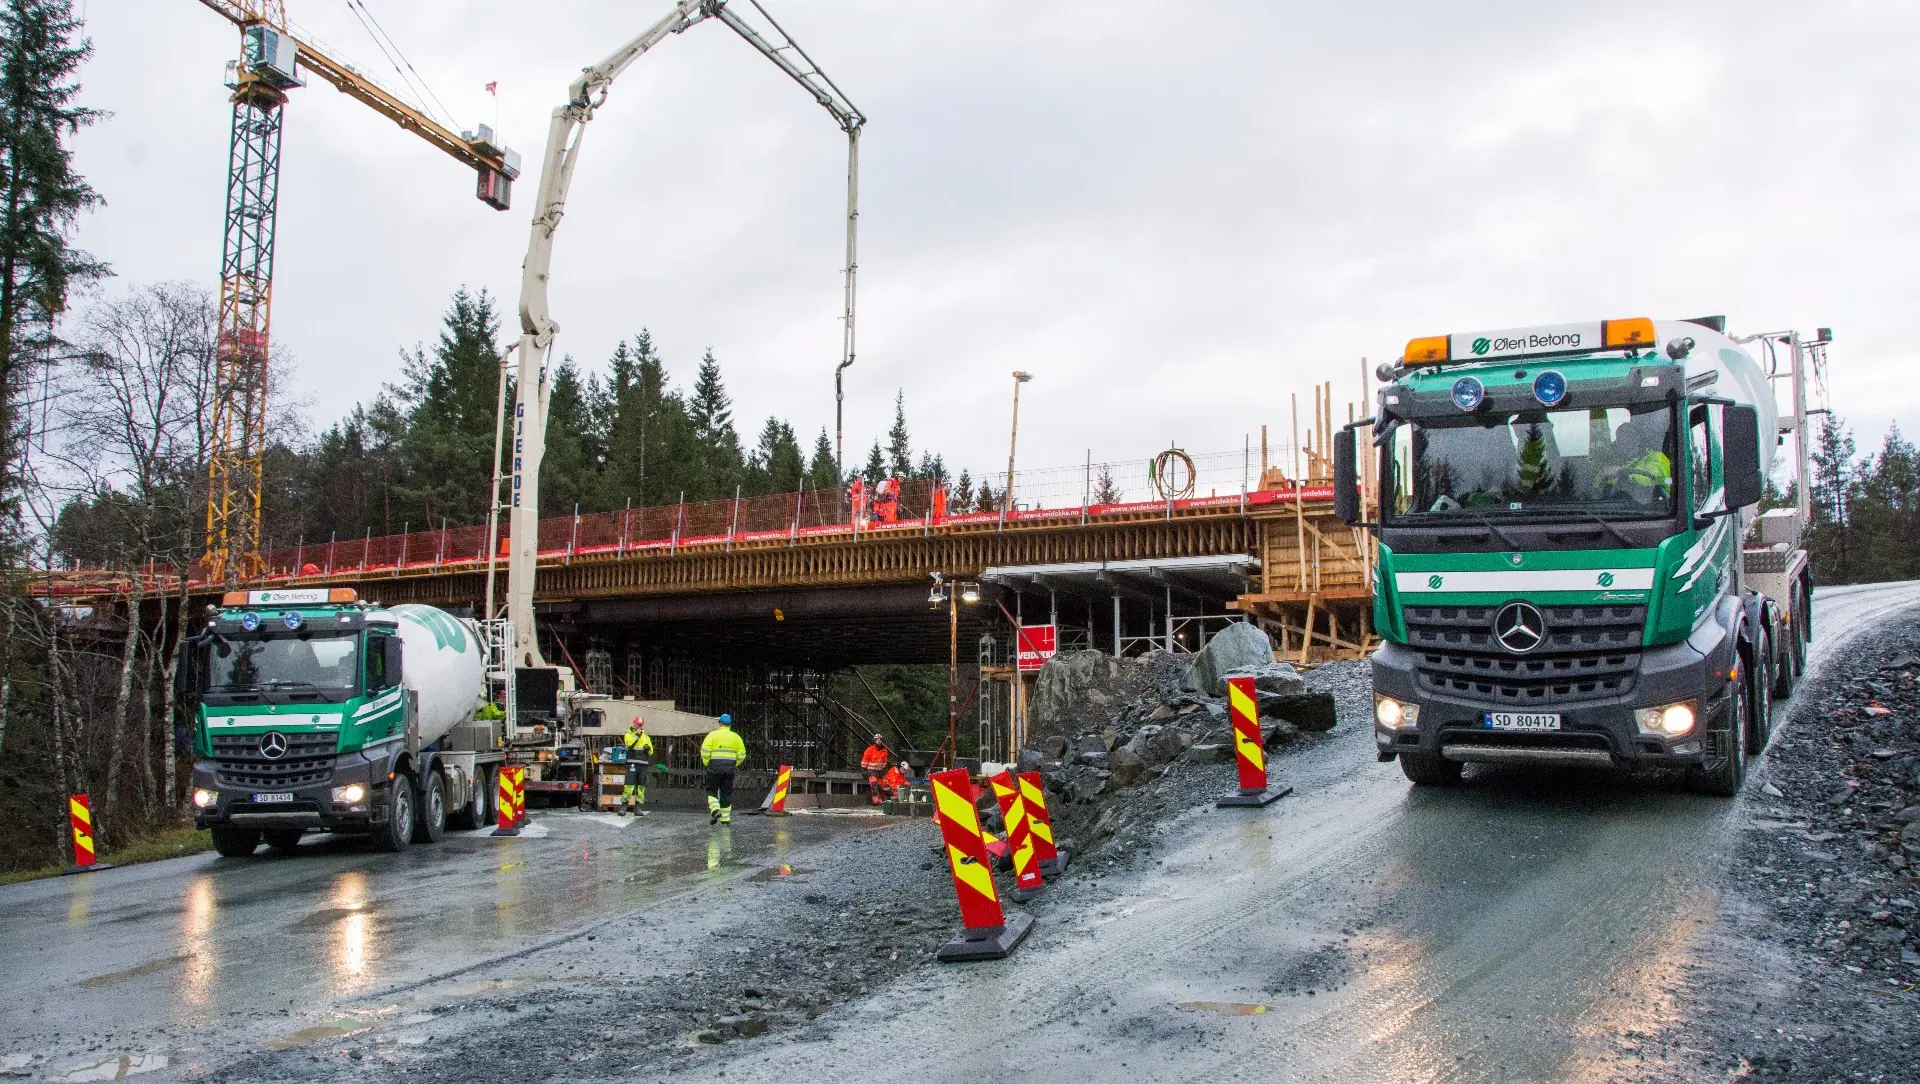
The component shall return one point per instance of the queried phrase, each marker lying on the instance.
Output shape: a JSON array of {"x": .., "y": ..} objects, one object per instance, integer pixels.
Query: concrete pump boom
[{"x": 537, "y": 327}]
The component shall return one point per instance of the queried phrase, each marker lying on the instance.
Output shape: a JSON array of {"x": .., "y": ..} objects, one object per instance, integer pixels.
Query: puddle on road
[
  {"x": 318, "y": 1033},
  {"x": 147, "y": 968},
  {"x": 114, "y": 1068},
  {"x": 774, "y": 873},
  {"x": 1225, "y": 1008}
]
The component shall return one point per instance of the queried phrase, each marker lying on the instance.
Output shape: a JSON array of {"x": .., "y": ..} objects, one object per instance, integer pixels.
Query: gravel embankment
[{"x": 1813, "y": 971}]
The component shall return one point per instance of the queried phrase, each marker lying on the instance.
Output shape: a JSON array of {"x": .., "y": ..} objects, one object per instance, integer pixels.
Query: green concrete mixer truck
[
  {"x": 314, "y": 711},
  {"x": 1573, "y": 568}
]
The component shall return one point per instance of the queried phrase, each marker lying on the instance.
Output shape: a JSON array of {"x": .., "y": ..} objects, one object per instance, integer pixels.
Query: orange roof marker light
[{"x": 1635, "y": 333}]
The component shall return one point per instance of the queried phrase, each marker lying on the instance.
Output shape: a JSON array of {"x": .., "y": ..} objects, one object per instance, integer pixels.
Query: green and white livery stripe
[
  {"x": 322, "y": 721},
  {"x": 380, "y": 703},
  {"x": 1522, "y": 581}
]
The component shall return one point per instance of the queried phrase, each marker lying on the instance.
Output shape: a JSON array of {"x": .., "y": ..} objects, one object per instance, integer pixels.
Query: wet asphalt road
[
  {"x": 1509, "y": 930},
  {"x": 200, "y": 959}
]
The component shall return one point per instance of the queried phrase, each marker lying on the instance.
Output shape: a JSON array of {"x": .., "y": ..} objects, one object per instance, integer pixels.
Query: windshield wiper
[
  {"x": 1616, "y": 532},
  {"x": 1488, "y": 524}
]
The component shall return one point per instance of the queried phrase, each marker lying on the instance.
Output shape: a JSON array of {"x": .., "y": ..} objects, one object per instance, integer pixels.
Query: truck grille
[
  {"x": 238, "y": 761},
  {"x": 1590, "y": 653}
]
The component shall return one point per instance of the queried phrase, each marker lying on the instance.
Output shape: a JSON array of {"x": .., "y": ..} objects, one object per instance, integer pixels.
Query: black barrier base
[
  {"x": 514, "y": 831},
  {"x": 95, "y": 868},
  {"x": 1255, "y": 797},
  {"x": 1022, "y": 895},
  {"x": 987, "y": 943}
]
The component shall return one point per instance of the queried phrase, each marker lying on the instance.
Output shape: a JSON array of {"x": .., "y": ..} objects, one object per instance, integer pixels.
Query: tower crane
[
  {"x": 272, "y": 61},
  {"x": 537, "y": 327}
]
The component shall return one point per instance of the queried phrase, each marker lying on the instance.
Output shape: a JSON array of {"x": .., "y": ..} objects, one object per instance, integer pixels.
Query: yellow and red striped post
[
  {"x": 81, "y": 814},
  {"x": 1243, "y": 707},
  {"x": 781, "y": 781},
  {"x": 1020, "y": 845},
  {"x": 1033, "y": 795},
  {"x": 510, "y": 802},
  {"x": 989, "y": 932}
]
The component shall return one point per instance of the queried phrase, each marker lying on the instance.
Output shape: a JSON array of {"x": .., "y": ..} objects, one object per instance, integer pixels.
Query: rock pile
[{"x": 1100, "y": 727}]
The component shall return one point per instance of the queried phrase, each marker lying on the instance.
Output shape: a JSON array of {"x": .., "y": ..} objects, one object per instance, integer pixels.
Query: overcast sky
[{"x": 1173, "y": 214}]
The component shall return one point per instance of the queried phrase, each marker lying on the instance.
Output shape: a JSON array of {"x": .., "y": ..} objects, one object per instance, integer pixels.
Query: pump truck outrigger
[
  {"x": 316, "y": 711},
  {"x": 1571, "y": 568}
]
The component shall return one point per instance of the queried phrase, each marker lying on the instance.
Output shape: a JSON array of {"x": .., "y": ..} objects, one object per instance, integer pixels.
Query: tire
[
  {"x": 1761, "y": 681},
  {"x": 394, "y": 835},
  {"x": 1428, "y": 770},
  {"x": 485, "y": 809},
  {"x": 430, "y": 796},
  {"x": 1724, "y": 779},
  {"x": 233, "y": 841},
  {"x": 282, "y": 839}
]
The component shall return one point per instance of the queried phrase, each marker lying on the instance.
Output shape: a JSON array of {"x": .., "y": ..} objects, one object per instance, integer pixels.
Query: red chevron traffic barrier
[
  {"x": 1243, "y": 707},
  {"x": 988, "y": 932}
]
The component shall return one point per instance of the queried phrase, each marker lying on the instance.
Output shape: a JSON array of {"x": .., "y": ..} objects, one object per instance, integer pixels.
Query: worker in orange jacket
[
  {"x": 896, "y": 779},
  {"x": 874, "y": 762}
]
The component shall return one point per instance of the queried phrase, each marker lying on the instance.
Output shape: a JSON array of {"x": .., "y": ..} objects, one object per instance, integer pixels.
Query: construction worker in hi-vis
[
  {"x": 874, "y": 762},
  {"x": 639, "y": 746},
  {"x": 722, "y": 752}
]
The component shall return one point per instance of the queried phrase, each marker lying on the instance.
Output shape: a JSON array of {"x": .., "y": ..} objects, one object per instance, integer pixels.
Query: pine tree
[
  {"x": 719, "y": 464},
  {"x": 984, "y": 501},
  {"x": 451, "y": 401},
  {"x": 876, "y": 468},
  {"x": 899, "y": 448},
  {"x": 962, "y": 499},
  {"x": 647, "y": 435},
  {"x": 777, "y": 465},
  {"x": 41, "y": 197},
  {"x": 1105, "y": 491},
  {"x": 570, "y": 469},
  {"x": 822, "y": 473}
]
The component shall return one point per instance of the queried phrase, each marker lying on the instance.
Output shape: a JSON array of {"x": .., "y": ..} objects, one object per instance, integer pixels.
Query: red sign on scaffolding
[{"x": 1036, "y": 646}]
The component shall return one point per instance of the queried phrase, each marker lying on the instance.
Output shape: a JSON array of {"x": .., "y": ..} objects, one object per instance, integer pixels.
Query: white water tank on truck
[
  {"x": 1737, "y": 377},
  {"x": 444, "y": 664}
]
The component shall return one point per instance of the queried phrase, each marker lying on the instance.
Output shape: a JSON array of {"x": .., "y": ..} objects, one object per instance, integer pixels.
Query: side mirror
[
  {"x": 393, "y": 661},
  {"x": 1740, "y": 456},
  {"x": 1346, "y": 477}
]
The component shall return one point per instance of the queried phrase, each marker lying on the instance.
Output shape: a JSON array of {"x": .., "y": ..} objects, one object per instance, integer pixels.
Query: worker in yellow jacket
[
  {"x": 722, "y": 752},
  {"x": 639, "y": 746}
]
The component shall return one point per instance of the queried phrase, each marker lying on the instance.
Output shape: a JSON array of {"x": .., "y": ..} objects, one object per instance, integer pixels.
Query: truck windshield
[
  {"x": 1615, "y": 462},
  {"x": 287, "y": 666}
]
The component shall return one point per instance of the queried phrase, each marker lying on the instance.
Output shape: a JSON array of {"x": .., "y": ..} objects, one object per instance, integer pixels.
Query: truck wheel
[
  {"x": 232, "y": 841},
  {"x": 394, "y": 835},
  {"x": 484, "y": 811},
  {"x": 282, "y": 839},
  {"x": 1428, "y": 770},
  {"x": 1760, "y": 699},
  {"x": 430, "y": 822},
  {"x": 1724, "y": 778}
]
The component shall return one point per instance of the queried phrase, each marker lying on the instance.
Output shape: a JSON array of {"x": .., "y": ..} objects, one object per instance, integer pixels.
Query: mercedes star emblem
[
  {"x": 273, "y": 744},
  {"x": 1520, "y": 627}
]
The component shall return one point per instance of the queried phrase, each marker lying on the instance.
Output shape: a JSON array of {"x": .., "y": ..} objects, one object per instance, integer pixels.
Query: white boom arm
[{"x": 537, "y": 328}]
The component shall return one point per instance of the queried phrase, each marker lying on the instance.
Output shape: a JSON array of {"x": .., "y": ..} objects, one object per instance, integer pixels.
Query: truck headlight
[
  {"x": 204, "y": 799},
  {"x": 1667, "y": 720},
  {"x": 1394, "y": 714},
  {"x": 351, "y": 794}
]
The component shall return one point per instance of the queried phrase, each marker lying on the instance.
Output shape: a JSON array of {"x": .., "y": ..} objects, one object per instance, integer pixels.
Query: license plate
[
  {"x": 1521, "y": 720},
  {"x": 279, "y": 796}
]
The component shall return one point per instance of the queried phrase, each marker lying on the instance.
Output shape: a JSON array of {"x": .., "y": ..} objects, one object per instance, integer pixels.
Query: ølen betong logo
[
  {"x": 1433, "y": 583},
  {"x": 1481, "y": 345},
  {"x": 1606, "y": 579}
]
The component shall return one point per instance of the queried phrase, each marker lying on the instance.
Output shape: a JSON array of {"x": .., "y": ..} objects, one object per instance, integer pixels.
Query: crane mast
[{"x": 537, "y": 327}]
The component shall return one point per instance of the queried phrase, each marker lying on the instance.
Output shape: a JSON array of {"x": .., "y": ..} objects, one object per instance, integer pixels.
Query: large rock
[
  {"x": 1155, "y": 745},
  {"x": 1308, "y": 711},
  {"x": 1063, "y": 692},
  {"x": 1126, "y": 765},
  {"x": 1239, "y": 646},
  {"x": 1274, "y": 677}
]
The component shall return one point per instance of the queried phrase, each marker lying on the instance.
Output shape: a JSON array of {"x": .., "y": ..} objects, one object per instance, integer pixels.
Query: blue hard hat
[{"x": 725, "y": 719}]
